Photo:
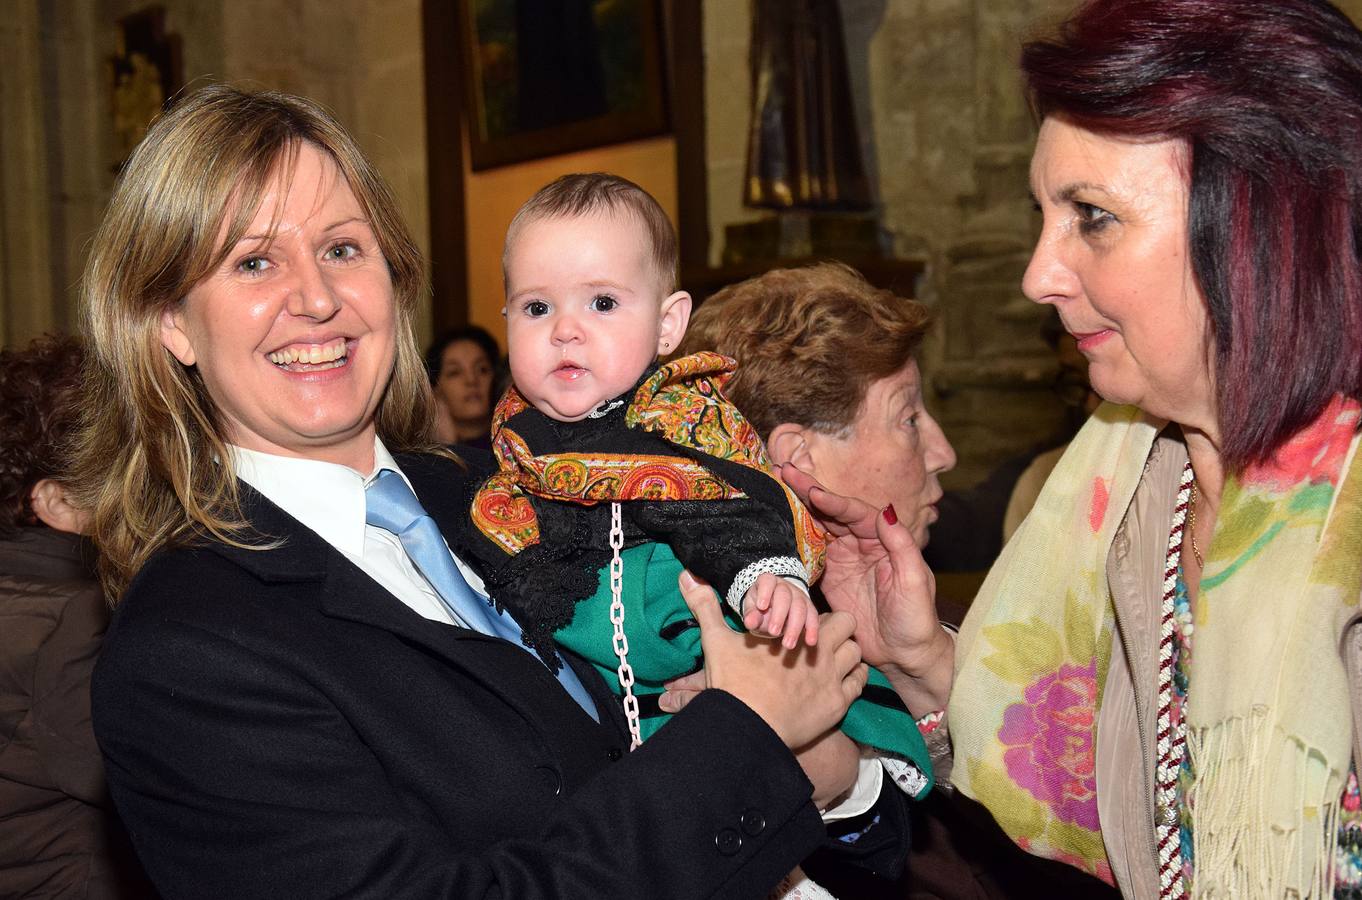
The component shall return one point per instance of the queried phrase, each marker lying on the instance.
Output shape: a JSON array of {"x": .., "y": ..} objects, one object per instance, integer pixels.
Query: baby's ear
[{"x": 675, "y": 316}]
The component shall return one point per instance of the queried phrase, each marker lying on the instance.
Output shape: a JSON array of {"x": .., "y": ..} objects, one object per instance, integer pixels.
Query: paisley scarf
[
  {"x": 682, "y": 402},
  {"x": 1269, "y": 712}
]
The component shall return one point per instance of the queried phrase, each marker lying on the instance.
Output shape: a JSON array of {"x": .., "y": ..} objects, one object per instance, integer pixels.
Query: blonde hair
[
  {"x": 146, "y": 458},
  {"x": 809, "y": 343},
  {"x": 595, "y": 193}
]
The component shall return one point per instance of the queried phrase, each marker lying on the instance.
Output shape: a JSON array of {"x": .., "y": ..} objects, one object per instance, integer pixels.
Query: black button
[
  {"x": 728, "y": 841},
  {"x": 550, "y": 778},
  {"x": 614, "y": 754},
  {"x": 753, "y": 822}
]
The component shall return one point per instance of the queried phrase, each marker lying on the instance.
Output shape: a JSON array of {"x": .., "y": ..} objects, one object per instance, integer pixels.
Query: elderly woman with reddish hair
[
  {"x": 1159, "y": 682},
  {"x": 828, "y": 375}
]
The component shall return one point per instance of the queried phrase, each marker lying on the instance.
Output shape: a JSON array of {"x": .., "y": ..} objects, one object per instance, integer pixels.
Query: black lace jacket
[{"x": 726, "y": 542}]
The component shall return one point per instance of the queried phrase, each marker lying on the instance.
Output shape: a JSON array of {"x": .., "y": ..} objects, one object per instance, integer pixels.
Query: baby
[
  {"x": 589, "y": 309},
  {"x": 616, "y": 472}
]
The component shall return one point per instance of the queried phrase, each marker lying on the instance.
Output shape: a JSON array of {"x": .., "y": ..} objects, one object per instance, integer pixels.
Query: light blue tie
[{"x": 391, "y": 505}]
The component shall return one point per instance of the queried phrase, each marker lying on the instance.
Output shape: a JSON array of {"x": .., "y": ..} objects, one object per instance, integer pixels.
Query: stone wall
[
  {"x": 361, "y": 58},
  {"x": 947, "y": 139}
]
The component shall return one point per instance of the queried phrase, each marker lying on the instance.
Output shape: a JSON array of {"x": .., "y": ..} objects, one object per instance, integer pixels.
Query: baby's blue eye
[
  {"x": 536, "y": 308},
  {"x": 603, "y": 303}
]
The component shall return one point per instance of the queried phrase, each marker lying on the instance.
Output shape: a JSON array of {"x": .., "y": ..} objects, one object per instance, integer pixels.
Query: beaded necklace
[{"x": 1171, "y": 739}]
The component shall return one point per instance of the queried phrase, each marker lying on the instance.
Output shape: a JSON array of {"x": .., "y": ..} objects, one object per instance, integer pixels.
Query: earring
[{"x": 666, "y": 345}]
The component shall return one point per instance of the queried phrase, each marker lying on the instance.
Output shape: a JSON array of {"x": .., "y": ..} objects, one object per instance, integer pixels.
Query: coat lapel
[
  {"x": 294, "y": 554},
  {"x": 448, "y": 499}
]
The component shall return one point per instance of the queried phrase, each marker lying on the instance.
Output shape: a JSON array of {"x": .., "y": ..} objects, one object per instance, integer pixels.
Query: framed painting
[{"x": 545, "y": 78}]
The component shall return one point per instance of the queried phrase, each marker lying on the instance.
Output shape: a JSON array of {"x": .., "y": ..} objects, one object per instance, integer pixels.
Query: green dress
[{"x": 654, "y": 607}]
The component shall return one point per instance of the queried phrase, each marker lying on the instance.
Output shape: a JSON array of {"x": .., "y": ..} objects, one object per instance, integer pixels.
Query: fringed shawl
[{"x": 1269, "y": 712}]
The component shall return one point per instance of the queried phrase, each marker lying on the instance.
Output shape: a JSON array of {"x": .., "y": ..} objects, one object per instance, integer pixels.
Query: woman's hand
[
  {"x": 801, "y": 693},
  {"x": 875, "y": 572}
]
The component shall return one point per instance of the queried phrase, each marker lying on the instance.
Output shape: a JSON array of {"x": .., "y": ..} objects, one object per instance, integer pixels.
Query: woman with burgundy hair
[{"x": 1161, "y": 680}]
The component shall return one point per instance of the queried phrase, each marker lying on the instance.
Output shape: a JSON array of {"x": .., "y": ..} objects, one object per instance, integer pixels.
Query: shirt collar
[{"x": 326, "y": 497}]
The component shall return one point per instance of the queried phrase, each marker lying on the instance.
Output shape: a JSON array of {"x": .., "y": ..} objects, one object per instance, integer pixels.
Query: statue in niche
[
  {"x": 145, "y": 71},
  {"x": 803, "y": 152}
]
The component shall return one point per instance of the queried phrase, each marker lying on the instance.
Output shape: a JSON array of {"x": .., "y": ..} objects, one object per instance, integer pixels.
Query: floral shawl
[{"x": 1269, "y": 714}]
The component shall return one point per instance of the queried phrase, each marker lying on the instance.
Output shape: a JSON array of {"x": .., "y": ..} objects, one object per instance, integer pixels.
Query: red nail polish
[{"x": 890, "y": 516}]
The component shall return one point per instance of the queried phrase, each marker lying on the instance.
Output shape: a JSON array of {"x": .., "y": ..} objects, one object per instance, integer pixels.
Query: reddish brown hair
[
  {"x": 1268, "y": 97},
  {"x": 809, "y": 342}
]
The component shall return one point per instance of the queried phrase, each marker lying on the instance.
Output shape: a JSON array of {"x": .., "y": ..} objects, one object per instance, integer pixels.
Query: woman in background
[{"x": 462, "y": 366}]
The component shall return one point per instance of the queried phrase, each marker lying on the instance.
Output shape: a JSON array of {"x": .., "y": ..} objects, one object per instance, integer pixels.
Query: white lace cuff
[
  {"x": 785, "y": 566},
  {"x": 905, "y": 775}
]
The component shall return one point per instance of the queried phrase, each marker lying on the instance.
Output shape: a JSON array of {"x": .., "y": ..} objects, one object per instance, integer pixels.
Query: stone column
[{"x": 26, "y": 284}]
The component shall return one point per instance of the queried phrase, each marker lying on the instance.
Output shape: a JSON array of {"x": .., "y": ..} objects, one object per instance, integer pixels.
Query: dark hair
[
  {"x": 37, "y": 411},
  {"x": 435, "y": 353},
  {"x": 1268, "y": 98},
  {"x": 809, "y": 343}
]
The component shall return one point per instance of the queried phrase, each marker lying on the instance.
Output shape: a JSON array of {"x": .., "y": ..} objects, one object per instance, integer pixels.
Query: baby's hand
[{"x": 773, "y": 607}]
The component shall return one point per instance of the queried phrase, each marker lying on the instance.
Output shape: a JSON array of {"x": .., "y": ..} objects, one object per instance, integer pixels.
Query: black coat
[{"x": 276, "y": 724}]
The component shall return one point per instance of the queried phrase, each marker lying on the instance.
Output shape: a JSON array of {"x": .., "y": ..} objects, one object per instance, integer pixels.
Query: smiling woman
[
  {"x": 293, "y": 332},
  {"x": 222, "y": 219}
]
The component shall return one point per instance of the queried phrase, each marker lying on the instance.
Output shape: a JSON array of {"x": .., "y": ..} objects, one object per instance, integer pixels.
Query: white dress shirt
[{"x": 329, "y": 499}]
